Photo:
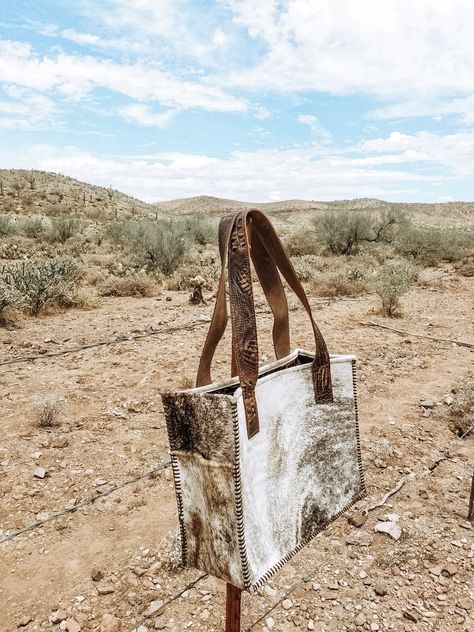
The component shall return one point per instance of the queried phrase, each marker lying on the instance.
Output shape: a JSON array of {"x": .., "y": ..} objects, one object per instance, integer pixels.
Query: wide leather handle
[
  {"x": 272, "y": 287},
  {"x": 237, "y": 233}
]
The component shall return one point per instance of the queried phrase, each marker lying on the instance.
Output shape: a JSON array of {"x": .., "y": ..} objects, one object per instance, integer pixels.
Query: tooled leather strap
[
  {"x": 244, "y": 330},
  {"x": 244, "y": 333},
  {"x": 274, "y": 293}
]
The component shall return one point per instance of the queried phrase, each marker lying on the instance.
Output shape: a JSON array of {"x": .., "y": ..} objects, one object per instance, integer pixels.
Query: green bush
[
  {"x": 157, "y": 245},
  {"x": 64, "y": 227},
  {"x": 390, "y": 282},
  {"x": 430, "y": 246},
  {"x": 342, "y": 232},
  {"x": 38, "y": 285},
  {"x": 32, "y": 227},
  {"x": 200, "y": 230},
  {"x": 6, "y": 226}
]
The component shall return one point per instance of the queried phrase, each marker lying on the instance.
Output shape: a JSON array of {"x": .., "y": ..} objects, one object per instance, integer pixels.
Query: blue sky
[{"x": 258, "y": 100}]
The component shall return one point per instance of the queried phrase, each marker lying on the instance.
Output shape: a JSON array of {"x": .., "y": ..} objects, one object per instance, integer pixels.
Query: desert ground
[{"x": 88, "y": 518}]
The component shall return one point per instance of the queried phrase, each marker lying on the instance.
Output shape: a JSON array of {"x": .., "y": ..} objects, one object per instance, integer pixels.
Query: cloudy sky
[{"x": 249, "y": 99}]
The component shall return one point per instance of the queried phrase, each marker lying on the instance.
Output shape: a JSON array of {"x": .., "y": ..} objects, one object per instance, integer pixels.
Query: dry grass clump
[
  {"x": 47, "y": 412},
  {"x": 301, "y": 243},
  {"x": 465, "y": 266},
  {"x": 133, "y": 285}
]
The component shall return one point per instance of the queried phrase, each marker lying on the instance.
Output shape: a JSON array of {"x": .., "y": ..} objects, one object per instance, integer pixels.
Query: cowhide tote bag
[{"x": 267, "y": 459}]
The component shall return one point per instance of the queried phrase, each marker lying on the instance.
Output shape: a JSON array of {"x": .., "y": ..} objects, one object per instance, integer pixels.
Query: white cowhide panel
[
  {"x": 247, "y": 504},
  {"x": 301, "y": 469}
]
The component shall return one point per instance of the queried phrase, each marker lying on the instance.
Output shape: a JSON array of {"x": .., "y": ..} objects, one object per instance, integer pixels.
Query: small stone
[
  {"x": 427, "y": 403},
  {"x": 359, "y": 538},
  {"x": 270, "y": 622},
  {"x": 205, "y": 614},
  {"x": 72, "y": 625},
  {"x": 168, "y": 299},
  {"x": 436, "y": 570},
  {"x": 286, "y": 604},
  {"x": 410, "y": 615},
  {"x": 449, "y": 570},
  {"x": 60, "y": 442},
  {"x": 58, "y": 616},
  {"x": 96, "y": 574},
  {"x": 153, "y": 608},
  {"x": 24, "y": 621},
  {"x": 42, "y": 515},
  {"x": 333, "y": 586},
  {"x": 441, "y": 597},
  {"x": 457, "y": 543},
  {"x": 380, "y": 589},
  {"x": 357, "y": 520},
  {"x": 360, "y": 619},
  {"x": 110, "y": 623},
  {"x": 374, "y": 627},
  {"x": 465, "y": 603},
  {"x": 105, "y": 589},
  {"x": 392, "y": 517},
  {"x": 362, "y": 574},
  {"x": 311, "y": 625},
  {"x": 70, "y": 504},
  {"x": 142, "y": 628},
  {"x": 448, "y": 400},
  {"x": 40, "y": 472},
  {"x": 390, "y": 528}
]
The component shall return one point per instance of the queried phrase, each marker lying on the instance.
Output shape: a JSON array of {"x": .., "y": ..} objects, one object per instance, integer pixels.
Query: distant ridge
[{"x": 34, "y": 192}]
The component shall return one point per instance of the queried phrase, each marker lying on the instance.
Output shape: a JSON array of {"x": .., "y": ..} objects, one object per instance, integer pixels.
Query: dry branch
[
  {"x": 401, "y": 332},
  {"x": 393, "y": 491}
]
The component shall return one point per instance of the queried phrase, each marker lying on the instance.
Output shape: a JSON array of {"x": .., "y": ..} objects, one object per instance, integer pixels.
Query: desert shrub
[
  {"x": 342, "y": 232},
  {"x": 337, "y": 283},
  {"x": 133, "y": 285},
  {"x": 200, "y": 230},
  {"x": 307, "y": 266},
  {"x": 55, "y": 209},
  {"x": 430, "y": 245},
  {"x": 390, "y": 282},
  {"x": 8, "y": 205},
  {"x": 301, "y": 243},
  {"x": 6, "y": 226},
  {"x": 32, "y": 227},
  {"x": 64, "y": 227},
  {"x": 43, "y": 283},
  {"x": 10, "y": 300},
  {"x": 158, "y": 245},
  {"x": 47, "y": 412}
]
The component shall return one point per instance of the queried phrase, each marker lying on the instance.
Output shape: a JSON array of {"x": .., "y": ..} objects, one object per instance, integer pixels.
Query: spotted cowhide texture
[{"x": 247, "y": 505}]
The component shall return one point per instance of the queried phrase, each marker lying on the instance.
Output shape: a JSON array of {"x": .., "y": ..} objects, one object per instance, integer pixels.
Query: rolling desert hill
[{"x": 37, "y": 192}]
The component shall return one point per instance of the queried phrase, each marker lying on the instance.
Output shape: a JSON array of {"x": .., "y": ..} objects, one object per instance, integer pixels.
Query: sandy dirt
[{"x": 111, "y": 430}]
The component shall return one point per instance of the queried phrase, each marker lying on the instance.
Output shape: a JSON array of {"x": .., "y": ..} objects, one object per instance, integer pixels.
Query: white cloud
[
  {"x": 455, "y": 152},
  {"x": 314, "y": 125},
  {"x": 394, "y": 47},
  {"x": 461, "y": 107},
  {"x": 25, "y": 109},
  {"x": 312, "y": 172},
  {"x": 76, "y": 76},
  {"x": 144, "y": 115}
]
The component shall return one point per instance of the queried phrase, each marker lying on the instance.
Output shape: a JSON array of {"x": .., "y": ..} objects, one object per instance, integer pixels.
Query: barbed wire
[
  {"x": 101, "y": 343},
  {"x": 87, "y": 501}
]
